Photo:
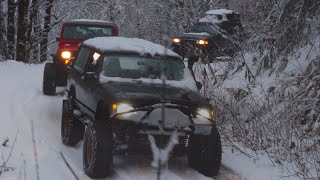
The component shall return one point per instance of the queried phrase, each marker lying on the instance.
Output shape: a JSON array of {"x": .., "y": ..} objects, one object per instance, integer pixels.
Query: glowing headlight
[
  {"x": 66, "y": 61},
  {"x": 204, "y": 113},
  {"x": 176, "y": 40},
  {"x": 202, "y": 42},
  {"x": 66, "y": 54},
  {"x": 120, "y": 108}
]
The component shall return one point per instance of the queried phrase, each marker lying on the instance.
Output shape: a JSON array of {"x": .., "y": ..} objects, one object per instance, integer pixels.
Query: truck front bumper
[{"x": 165, "y": 118}]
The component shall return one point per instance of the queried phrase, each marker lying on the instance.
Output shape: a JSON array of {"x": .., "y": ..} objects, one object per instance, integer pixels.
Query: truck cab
[
  {"x": 72, "y": 34},
  {"x": 212, "y": 37}
]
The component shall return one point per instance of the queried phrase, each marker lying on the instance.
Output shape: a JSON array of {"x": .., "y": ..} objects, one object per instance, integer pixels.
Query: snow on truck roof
[
  {"x": 129, "y": 45},
  {"x": 90, "y": 20},
  {"x": 220, "y": 11},
  {"x": 212, "y": 15}
]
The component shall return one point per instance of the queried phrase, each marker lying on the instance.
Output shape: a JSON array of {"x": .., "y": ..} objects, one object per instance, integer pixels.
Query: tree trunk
[
  {"x": 11, "y": 30},
  {"x": 45, "y": 31},
  {"x": 3, "y": 38},
  {"x": 34, "y": 31},
  {"x": 22, "y": 27}
]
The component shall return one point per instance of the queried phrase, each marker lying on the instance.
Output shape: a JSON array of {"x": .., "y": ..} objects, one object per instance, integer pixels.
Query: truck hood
[
  {"x": 70, "y": 44},
  {"x": 142, "y": 94},
  {"x": 196, "y": 36}
]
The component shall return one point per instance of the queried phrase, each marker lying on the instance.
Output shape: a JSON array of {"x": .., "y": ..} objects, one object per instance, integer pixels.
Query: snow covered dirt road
[{"x": 35, "y": 119}]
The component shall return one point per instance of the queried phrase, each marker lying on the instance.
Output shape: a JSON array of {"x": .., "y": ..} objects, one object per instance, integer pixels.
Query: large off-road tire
[
  {"x": 204, "y": 153},
  {"x": 61, "y": 74},
  {"x": 97, "y": 149},
  {"x": 49, "y": 83},
  {"x": 71, "y": 128}
]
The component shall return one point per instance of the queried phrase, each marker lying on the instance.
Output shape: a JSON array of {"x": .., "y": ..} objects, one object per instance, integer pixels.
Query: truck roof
[
  {"x": 220, "y": 11},
  {"x": 90, "y": 22},
  {"x": 129, "y": 45}
]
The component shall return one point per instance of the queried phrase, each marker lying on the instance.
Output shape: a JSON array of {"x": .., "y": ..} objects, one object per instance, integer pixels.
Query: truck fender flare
[
  {"x": 72, "y": 91},
  {"x": 100, "y": 111}
]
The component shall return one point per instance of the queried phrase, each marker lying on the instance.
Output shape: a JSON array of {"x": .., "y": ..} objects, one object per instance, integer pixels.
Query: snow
[
  {"x": 219, "y": 11},
  {"x": 198, "y": 34},
  {"x": 187, "y": 81},
  {"x": 212, "y": 15},
  {"x": 260, "y": 168},
  {"x": 161, "y": 156},
  {"x": 211, "y": 19},
  {"x": 23, "y": 107},
  {"x": 133, "y": 45},
  {"x": 90, "y": 20}
]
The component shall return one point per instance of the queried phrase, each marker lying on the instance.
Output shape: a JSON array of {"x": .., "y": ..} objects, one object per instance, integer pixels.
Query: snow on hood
[
  {"x": 134, "y": 45},
  {"x": 212, "y": 19},
  {"x": 187, "y": 81},
  {"x": 198, "y": 34}
]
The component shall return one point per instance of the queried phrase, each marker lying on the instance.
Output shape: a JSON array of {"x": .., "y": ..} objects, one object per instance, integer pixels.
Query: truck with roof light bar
[
  {"x": 121, "y": 90},
  {"x": 209, "y": 38}
]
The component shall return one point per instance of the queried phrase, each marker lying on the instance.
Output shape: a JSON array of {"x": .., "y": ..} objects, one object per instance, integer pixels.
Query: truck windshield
[
  {"x": 205, "y": 27},
  {"x": 85, "y": 32},
  {"x": 136, "y": 67}
]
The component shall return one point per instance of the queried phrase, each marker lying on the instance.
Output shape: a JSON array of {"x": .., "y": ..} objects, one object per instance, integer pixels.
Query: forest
[{"x": 267, "y": 98}]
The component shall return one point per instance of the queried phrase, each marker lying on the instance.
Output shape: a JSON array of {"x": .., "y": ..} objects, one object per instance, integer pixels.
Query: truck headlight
[
  {"x": 202, "y": 42},
  {"x": 176, "y": 40},
  {"x": 121, "y": 107},
  {"x": 205, "y": 113},
  {"x": 66, "y": 54}
]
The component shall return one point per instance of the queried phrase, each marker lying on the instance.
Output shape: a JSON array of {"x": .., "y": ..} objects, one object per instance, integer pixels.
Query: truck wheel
[
  {"x": 97, "y": 149},
  {"x": 61, "y": 74},
  {"x": 71, "y": 128},
  {"x": 204, "y": 153},
  {"x": 49, "y": 85}
]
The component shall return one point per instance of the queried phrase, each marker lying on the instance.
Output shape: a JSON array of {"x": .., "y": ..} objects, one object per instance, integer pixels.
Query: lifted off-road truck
[
  {"x": 120, "y": 90},
  {"x": 72, "y": 34},
  {"x": 212, "y": 37}
]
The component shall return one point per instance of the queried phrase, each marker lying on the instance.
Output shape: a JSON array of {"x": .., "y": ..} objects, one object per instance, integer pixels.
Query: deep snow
[{"x": 24, "y": 108}]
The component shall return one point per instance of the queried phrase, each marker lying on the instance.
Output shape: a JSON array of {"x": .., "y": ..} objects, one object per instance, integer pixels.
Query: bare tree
[
  {"x": 3, "y": 38},
  {"x": 11, "y": 28},
  {"x": 34, "y": 31},
  {"x": 22, "y": 27},
  {"x": 45, "y": 31}
]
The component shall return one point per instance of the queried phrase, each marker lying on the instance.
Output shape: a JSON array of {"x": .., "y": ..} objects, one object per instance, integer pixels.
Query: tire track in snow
[
  {"x": 228, "y": 174},
  {"x": 29, "y": 103}
]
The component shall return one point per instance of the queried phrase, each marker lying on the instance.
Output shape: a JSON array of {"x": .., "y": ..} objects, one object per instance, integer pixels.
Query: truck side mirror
[
  {"x": 57, "y": 39},
  {"x": 90, "y": 76}
]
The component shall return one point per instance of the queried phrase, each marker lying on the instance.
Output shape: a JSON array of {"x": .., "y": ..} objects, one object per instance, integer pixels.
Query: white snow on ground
[
  {"x": 24, "y": 108},
  {"x": 256, "y": 167}
]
